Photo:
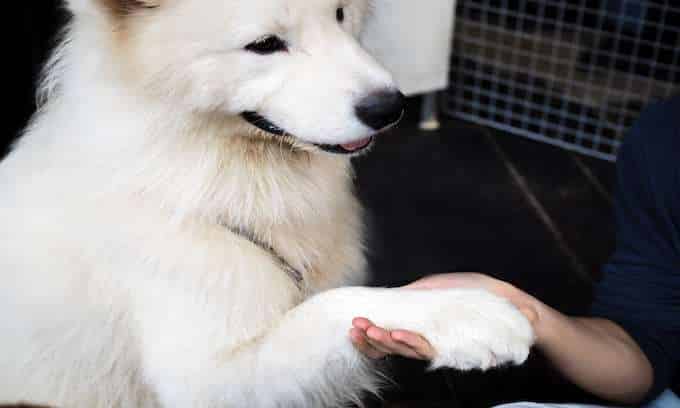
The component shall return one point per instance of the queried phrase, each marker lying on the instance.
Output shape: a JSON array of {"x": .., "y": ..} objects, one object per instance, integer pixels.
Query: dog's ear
[{"x": 116, "y": 8}]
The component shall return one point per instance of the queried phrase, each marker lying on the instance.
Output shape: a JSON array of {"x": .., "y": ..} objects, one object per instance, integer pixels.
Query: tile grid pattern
[{"x": 575, "y": 74}]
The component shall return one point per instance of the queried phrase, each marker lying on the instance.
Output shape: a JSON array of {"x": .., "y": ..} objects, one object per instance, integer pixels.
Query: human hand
[
  {"x": 376, "y": 342},
  {"x": 526, "y": 303}
]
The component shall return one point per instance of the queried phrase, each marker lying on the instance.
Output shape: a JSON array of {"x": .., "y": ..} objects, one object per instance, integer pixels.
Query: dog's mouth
[{"x": 266, "y": 125}]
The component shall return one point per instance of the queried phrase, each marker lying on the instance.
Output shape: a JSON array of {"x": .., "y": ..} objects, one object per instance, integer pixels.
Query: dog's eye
[
  {"x": 267, "y": 45},
  {"x": 340, "y": 14}
]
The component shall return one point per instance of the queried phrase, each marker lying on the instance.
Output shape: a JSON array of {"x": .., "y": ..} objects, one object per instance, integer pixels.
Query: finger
[
  {"x": 382, "y": 340},
  {"x": 379, "y": 340},
  {"x": 378, "y": 346},
  {"x": 377, "y": 334},
  {"x": 530, "y": 314},
  {"x": 417, "y": 285},
  {"x": 362, "y": 323},
  {"x": 424, "y": 284},
  {"x": 366, "y": 325},
  {"x": 361, "y": 343},
  {"x": 377, "y": 337},
  {"x": 395, "y": 348},
  {"x": 416, "y": 343},
  {"x": 366, "y": 349}
]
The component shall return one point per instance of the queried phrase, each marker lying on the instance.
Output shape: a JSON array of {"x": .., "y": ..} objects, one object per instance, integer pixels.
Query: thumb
[{"x": 530, "y": 313}]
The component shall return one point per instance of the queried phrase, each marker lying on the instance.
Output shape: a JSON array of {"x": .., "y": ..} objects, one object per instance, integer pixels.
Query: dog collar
[{"x": 294, "y": 274}]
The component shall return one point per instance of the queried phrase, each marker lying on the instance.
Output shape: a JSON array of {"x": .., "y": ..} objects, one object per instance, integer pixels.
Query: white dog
[{"x": 177, "y": 214}]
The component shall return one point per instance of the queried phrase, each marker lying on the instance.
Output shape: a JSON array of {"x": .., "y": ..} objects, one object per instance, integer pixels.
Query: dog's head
[{"x": 292, "y": 68}]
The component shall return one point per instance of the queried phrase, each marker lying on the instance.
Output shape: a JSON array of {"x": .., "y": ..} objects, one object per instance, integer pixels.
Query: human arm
[{"x": 595, "y": 354}]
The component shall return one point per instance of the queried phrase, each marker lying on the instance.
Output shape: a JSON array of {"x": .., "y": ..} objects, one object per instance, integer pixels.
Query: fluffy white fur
[{"x": 121, "y": 287}]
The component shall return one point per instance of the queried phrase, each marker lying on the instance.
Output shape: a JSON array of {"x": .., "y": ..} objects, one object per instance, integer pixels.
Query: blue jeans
[{"x": 667, "y": 400}]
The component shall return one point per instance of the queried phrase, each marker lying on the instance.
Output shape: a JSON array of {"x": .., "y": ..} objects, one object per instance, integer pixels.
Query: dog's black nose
[{"x": 381, "y": 109}]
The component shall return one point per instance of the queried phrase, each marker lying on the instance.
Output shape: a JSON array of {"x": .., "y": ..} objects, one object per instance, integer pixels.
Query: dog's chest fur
[{"x": 300, "y": 204}]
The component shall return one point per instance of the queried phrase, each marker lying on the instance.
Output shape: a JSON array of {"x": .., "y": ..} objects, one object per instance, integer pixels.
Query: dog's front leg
[
  {"x": 307, "y": 360},
  {"x": 468, "y": 329}
]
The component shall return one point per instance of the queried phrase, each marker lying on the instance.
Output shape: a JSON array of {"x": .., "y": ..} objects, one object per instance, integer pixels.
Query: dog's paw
[{"x": 477, "y": 330}]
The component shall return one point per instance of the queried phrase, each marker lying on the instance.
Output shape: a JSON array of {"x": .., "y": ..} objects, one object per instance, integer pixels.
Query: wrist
[{"x": 547, "y": 324}]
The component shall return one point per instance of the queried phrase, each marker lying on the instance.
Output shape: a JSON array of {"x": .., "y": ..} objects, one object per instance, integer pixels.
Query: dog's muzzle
[{"x": 380, "y": 111}]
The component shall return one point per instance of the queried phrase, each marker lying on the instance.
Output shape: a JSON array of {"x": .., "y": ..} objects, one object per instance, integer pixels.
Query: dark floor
[{"x": 466, "y": 198}]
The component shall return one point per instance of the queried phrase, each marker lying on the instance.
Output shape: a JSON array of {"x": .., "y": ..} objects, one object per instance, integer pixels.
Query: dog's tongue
[{"x": 359, "y": 144}]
